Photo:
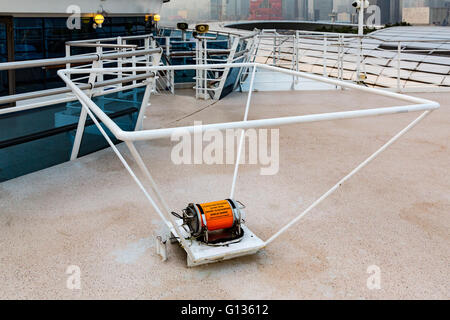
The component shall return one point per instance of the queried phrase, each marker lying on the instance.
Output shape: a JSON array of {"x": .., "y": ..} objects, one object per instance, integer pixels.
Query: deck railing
[
  {"x": 122, "y": 54},
  {"x": 400, "y": 64},
  {"x": 154, "y": 194}
]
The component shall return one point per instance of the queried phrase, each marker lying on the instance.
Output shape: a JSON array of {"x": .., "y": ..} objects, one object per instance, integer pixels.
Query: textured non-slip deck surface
[{"x": 394, "y": 214}]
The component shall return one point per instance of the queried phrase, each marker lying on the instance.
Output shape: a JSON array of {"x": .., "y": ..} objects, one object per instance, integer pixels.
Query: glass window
[
  {"x": 28, "y": 37},
  {"x": 3, "y": 48},
  {"x": 56, "y": 34},
  {"x": 42, "y": 38},
  {"x": 36, "y": 139},
  {"x": 3, "y": 58}
]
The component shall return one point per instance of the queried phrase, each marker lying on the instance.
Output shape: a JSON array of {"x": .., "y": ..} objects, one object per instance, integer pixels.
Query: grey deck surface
[{"x": 393, "y": 214}]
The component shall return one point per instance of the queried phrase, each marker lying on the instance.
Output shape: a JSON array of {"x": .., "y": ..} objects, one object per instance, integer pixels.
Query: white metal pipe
[
  {"x": 127, "y": 167},
  {"x": 325, "y": 49},
  {"x": 423, "y": 104},
  {"x": 360, "y": 36},
  {"x": 348, "y": 176},
  {"x": 241, "y": 141},
  {"x": 420, "y": 105},
  {"x": 272, "y": 122},
  {"x": 115, "y": 129},
  {"x": 37, "y": 105},
  {"x": 72, "y": 59},
  {"x": 79, "y": 133},
  {"x": 141, "y": 186},
  {"x": 361, "y": 20},
  {"x": 144, "y": 105},
  {"x": 83, "y": 115},
  {"x": 170, "y": 220},
  {"x": 103, "y": 45},
  {"x": 110, "y": 39},
  {"x": 331, "y": 81},
  {"x": 399, "y": 52},
  {"x": 146, "y": 172}
]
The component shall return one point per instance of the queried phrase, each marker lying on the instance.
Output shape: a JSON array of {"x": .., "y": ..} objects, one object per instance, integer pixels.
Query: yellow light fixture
[
  {"x": 86, "y": 20},
  {"x": 202, "y": 28},
  {"x": 156, "y": 17},
  {"x": 99, "y": 19}
]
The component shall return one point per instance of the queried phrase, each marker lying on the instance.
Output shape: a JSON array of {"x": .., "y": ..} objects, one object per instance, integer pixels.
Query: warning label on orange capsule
[{"x": 218, "y": 214}]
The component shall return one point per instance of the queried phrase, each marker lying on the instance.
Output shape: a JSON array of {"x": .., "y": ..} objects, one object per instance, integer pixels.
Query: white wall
[{"x": 42, "y": 7}]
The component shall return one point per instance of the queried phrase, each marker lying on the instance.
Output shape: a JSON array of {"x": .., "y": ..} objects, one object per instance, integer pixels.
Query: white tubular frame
[{"x": 415, "y": 104}]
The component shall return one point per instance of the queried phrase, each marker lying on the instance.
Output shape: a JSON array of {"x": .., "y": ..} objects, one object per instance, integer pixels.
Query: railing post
[
  {"x": 325, "y": 44},
  {"x": 68, "y": 53},
  {"x": 119, "y": 63},
  {"x": 144, "y": 104},
  {"x": 146, "y": 47},
  {"x": 274, "y": 58},
  {"x": 172, "y": 82},
  {"x": 205, "y": 71},
  {"x": 99, "y": 50},
  {"x": 133, "y": 64},
  {"x": 399, "y": 52},
  {"x": 167, "y": 47},
  {"x": 201, "y": 74},
  {"x": 360, "y": 42},
  {"x": 294, "y": 59},
  {"x": 83, "y": 114},
  {"x": 297, "y": 60},
  {"x": 223, "y": 79},
  {"x": 197, "y": 72},
  {"x": 340, "y": 59}
]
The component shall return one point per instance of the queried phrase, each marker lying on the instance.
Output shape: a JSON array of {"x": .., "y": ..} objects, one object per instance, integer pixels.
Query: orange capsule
[{"x": 216, "y": 215}]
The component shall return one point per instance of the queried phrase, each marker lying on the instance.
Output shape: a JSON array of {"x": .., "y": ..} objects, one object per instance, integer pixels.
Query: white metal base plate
[{"x": 203, "y": 254}]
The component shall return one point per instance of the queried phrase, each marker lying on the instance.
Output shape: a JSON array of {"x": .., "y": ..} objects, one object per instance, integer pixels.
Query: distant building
[
  {"x": 295, "y": 9},
  {"x": 344, "y": 17},
  {"x": 396, "y": 11},
  {"x": 290, "y": 9},
  {"x": 426, "y": 3},
  {"x": 237, "y": 9},
  {"x": 197, "y": 10},
  {"x": 245, "y": 9},
  {"x": 303, "y": 9},
  {"x": 217, "y": 9},
  {"x": 343, "y": 6},
  {"x": 390, "y": 10},
  {"x": 266, "y": 10},
  {"x": 385, "y": 10},
  {"x": 426, "y": 16},
  {"x": 322, "y": 9}
]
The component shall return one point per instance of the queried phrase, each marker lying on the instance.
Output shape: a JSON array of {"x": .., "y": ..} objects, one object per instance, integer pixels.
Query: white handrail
[
  {"x": 129, "y": 136},
  {"x": 420, "y": 104}
]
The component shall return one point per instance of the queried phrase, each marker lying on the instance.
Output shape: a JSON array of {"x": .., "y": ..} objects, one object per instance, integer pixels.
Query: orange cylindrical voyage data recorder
[{"x": 214, "y": 222}]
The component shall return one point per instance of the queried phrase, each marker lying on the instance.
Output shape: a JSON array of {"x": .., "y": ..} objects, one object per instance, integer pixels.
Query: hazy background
[{"x": 306, "y": 10}]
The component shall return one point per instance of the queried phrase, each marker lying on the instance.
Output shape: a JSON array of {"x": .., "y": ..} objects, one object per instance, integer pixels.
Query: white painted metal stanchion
[
  {"x": 348, "y": 176},
  {"x": 197, "y": 252},
  {"x": 241, "y": 141},
  {"x": 83, "y": 115}
]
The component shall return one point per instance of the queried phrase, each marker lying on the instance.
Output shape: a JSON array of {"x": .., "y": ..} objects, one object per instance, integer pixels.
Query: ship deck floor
[{"x": 394, "y": 214}]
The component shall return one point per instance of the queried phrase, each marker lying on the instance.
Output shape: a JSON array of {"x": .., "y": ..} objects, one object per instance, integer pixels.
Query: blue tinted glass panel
[
  {"x": 56, "y": 34},
  {"x": 3, "y": 48},
  {"x": 36, "y": 139},
  {"x": 29, "y": 38},
  {"x": 3, "y": 83},
  {"x": 3, "y": 58}
]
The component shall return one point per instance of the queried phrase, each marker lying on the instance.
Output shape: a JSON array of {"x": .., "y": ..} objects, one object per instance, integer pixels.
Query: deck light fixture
[{"x": 99, "y": 19}]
